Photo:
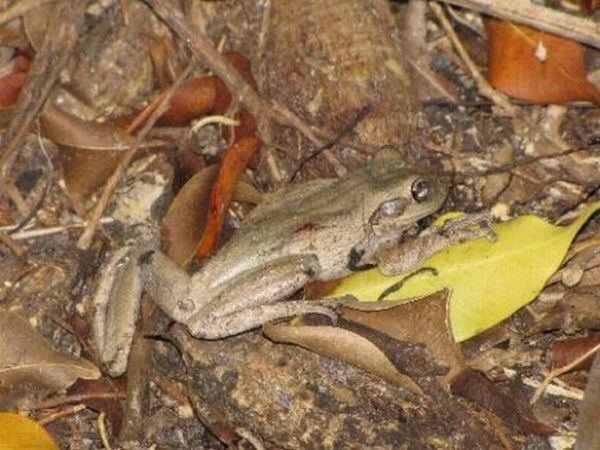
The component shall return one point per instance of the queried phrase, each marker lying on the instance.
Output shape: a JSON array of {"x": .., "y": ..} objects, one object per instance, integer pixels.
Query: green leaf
[{"x": 489, "y": 280}]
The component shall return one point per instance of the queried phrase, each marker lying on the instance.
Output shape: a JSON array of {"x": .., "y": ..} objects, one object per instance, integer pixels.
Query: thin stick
[
  {"x": 63, "y": 30},
  {"x": 79, "y": 398},
  {"x": 62, "y": 413},
  {"x": 578, "y": 28},
  {"x": 484, "y": 87},
  {"x": 558, "y": 372},
  {"x": 86, "y": 238},
  {"x": 203, "y": 49},
  {"x": 102, "y": 431},
  {"x": 207, "y": 120},
  {"x": 40, "y": 232},
  {"x": 19, "y": 8}
]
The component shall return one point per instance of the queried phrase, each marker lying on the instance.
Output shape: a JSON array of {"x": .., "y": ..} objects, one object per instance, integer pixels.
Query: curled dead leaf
[
  {"x": 35, "y": 23},
  {"x": 397, "y": 342},
  {"x": 27, "y": 359},
  {"x": 232, "y": 167},
  {"x": 196, "y": 97},
  {"x": 90, "y": 151},
  {"x": 424, "y": 321},
  {"x": 338, "y": 343},
  {"x": 183, "y": 224}
]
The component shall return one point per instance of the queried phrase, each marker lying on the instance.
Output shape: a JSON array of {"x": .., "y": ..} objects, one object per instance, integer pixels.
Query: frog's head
[{"x": 401, "y": 197}]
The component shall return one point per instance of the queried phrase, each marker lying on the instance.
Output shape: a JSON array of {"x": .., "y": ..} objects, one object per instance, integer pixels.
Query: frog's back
[
  {"x": 304, "y": 218},
  {"x": 273, "y": 226}
]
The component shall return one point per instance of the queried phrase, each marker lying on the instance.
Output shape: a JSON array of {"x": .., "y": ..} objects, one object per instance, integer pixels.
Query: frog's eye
[{"x": 420, "y": 190}]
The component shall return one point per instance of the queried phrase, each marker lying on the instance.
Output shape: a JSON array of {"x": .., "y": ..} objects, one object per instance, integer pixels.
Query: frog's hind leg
[
  {"x": 212, "y": 326},
  {"x": 275, "y": 281},
  {"x": 250, "y": 301}
]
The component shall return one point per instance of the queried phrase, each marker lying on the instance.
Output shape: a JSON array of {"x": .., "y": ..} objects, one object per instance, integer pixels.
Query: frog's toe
[{"x": 329, "y": 311}]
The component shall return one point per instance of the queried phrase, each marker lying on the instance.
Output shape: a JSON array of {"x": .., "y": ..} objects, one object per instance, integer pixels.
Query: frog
[{"x": 319, "y": 230}]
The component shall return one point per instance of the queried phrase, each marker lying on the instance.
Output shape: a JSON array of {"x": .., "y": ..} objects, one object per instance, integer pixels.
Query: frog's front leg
[
  {"x": 404, "y": 257},
  {"x": 244, "y": 303}
]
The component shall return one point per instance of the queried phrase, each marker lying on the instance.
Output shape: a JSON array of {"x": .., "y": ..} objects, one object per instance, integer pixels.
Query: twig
[
  {"x": 62, "y": 413},
  {"x": 581, "y": 29},
  {"x": 87, "y": 235},
  {"x": 79, "y": 398},
  {"x": 558, "y": 372},
  {"x": 40, "y": 232},
  {"x": 484, "y": 87},
  {"x": 48, "y": 182},
  {"x": 520, "y": 162},
  {"x": 63, "y": 30},
  {"x": 360, "y": 115},
  {"x": 203, "y": 49},
  {"x": 207, "y": 120},
  {"x": 102, "y": 431},
  {"x": 250, "y": 437},
  {"x": 13, "y": 246}
]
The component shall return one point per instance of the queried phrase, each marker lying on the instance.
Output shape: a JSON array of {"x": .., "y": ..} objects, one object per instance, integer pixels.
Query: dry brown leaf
[
  {"x": 69, "y": 131},
  {"x": 424, "y": 321},
  {"x": 102, "y": 387},
  {"x": 194, "y": 98},
  {"x": 536, "y": 66},
  {"x": 35, "y": 23},
  {"x": 508, "y": 404},
  {"x": 183, "y": 224},
  {"x": 27, "y": 359},
  {"x": 90, "y": 151},
  {"x": 565, "y": 351},
  {"x": 388, "y": 339},
  {"x": 338, "y": 343}
]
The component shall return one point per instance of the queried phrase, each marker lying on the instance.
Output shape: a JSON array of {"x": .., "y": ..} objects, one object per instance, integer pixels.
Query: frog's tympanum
[{"x": 318, "y": 230}]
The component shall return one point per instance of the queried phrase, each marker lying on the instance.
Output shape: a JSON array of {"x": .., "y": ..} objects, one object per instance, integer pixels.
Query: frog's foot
[
  {"x": 214, "y": 326},
  {"x": 470, "y": 226},
  {"x": 410, "y": 254}
]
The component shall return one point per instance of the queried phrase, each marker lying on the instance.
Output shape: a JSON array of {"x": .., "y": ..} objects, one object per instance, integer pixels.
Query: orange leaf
[
  {"x": 206, "y": 94},
  {"x": 11, "y": 84},
  {"x": 565, "y": 351},
  {"x": 242, "y": 65},
  {"x": 10, "y": 88},
  {"x": 234, "y": 163},
  {"x": 195, "y": 97},
  {"x": 536, "y": 66}
]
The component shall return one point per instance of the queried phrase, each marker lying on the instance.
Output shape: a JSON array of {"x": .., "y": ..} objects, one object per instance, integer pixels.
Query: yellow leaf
[
  {"x": 489, "y": 281},
  {"x": 18, "y": 432}
]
